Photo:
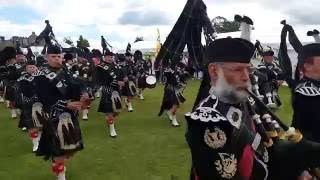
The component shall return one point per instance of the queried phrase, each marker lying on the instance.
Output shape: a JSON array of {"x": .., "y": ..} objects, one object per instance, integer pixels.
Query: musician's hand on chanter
[
  {"x": 86, "y": 100},
  {"x": 121, "y": 83}
]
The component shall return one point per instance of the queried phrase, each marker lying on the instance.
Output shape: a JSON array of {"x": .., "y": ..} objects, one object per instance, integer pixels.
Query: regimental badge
[
  {"x": 216, "y": 139},
  {"x": 51, "y": 75},
  {"x": 227, "y": 165},
  {"x": 234, "y": 116}
]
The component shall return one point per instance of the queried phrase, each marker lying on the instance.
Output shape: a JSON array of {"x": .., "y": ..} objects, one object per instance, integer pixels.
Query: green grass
[{"x": 147, "y": 147}]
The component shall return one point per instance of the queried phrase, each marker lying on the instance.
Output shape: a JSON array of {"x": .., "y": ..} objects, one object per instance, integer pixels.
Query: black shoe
[
  {"x": 310, "y": 33},
  {"x": 284, "y": 22},
  {"x": 247, "y": 20},
  {"x": 237, "y": 18},
  {"x": 315, "y": 32}
]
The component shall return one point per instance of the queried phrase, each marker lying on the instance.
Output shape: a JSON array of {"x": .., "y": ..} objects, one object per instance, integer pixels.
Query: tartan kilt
[
  {"x": 110, "y": 102},
  {"x": 142, "y": 84},
  {"x": 129, "y": 89},
  {"x": 172, "y": 96},
  {"x": 61, "y": 134},
  {"x": 9, "y": 93}
]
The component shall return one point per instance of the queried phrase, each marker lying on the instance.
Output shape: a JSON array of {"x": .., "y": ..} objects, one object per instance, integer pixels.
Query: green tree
[
  {"x": 222, "y": 25},
  {"x": 82, "y": 42}
]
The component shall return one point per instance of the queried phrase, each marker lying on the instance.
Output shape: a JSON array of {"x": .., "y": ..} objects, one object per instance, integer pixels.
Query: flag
[
  {"x": 187, "y": 31},
  {"x": 158, "y": 43},
  {"x": 192, "y": 21}
]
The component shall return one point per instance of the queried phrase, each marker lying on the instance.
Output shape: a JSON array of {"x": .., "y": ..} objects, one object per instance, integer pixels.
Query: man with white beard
[
  {"x": 224, "y": 136},
  {"x": 212, "y": 126}
]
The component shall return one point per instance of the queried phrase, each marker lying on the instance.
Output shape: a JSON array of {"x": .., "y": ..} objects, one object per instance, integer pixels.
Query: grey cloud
[
  {"x": 297, "y": 11},
  {"x": 305, "y": 14},
  {"x": 144, "y": 18}
]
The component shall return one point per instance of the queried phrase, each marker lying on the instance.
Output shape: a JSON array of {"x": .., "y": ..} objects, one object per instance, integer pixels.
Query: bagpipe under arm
[{"x": 289, "y": 159}]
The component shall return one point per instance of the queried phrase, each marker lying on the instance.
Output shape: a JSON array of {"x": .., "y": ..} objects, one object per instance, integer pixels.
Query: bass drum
[{"x": 151, "y": 81}]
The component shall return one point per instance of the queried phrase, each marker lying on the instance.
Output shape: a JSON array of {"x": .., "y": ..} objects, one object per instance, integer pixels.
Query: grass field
[{"x": 147, "y": 147}]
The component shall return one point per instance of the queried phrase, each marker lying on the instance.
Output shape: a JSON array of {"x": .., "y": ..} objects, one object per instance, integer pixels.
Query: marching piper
[
  {"x": 226, "y": 134},
  {"x": 172, "y": 96},
  {"x": 28, "y": 95},
  {"x": 11, "y": 74},
  {"x": 84, "y": 73},
  {"x": 110, "y": 102},
  {"x": 60, "y": 98},
  {"x": 129, "y": 88},
  {"x": 272, "y": 79},
  {"x": 142, "y": 71}
]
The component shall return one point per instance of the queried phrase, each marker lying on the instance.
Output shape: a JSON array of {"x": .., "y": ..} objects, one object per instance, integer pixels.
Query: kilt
[
  {"x": 9, "y": 93},
  {"x": 172, "y": 96},
  {"x": 110, "y": 101},
  {"x": 142, "y": 84},
  {"x": 61, "y": 134},
  {"x": 129, "y": 89},
  {"x": 2, "y": 88}
]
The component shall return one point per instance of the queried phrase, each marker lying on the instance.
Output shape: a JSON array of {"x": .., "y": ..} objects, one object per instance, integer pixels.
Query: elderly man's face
[
  {"x": 230, "y": 80},
  {"x": 55, "y": 60}
]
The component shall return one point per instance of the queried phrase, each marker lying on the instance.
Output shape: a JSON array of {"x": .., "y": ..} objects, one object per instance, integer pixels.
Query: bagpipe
[{"x": 290, "y": 154}]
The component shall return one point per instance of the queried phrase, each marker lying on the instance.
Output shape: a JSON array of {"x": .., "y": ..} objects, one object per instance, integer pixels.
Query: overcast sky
[{"x": 120, "y": 21}]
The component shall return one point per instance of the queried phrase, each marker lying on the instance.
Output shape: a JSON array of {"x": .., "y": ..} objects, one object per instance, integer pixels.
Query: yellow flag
[{"x": 158, "y": 43}]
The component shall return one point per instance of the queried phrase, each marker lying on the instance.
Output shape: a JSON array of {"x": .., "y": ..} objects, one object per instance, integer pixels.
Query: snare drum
[{"x": 151, "y": 81}]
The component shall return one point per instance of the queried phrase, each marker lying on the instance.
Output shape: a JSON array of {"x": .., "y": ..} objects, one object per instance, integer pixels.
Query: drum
[{"x": 151, "y": 81}]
